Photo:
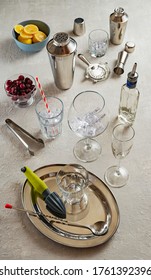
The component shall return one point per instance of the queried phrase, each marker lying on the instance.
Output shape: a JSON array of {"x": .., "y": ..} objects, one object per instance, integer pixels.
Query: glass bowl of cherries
[{"x": 21, "y": 88}]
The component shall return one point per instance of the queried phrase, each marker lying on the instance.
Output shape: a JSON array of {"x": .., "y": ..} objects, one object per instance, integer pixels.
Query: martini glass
[
  {"x": 88, "y": 118},
  {"x": 122, "y": 141}
]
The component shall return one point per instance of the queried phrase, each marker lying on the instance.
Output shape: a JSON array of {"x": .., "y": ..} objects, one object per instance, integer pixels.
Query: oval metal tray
[{"x": 102, "y": 206}]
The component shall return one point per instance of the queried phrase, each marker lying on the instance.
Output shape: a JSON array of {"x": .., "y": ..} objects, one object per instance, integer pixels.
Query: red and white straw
[{"x": 43, "y": 95}]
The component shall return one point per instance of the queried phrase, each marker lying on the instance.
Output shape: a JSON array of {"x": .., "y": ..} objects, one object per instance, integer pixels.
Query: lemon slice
[
  {"x": 18, "y": 28},
  {"x": 31, "y": 29},
  {"x": 25, "y": 35},
  {"x": 39, "y": 37},
  {"x": 24, "y": 40}
]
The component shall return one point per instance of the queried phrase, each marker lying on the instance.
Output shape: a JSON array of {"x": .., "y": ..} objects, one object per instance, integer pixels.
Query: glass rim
[
  {"x": 65, "y": 169},
  {"x": 98, "y": 29},
  {"x": 126, "y": 126},
  {"x": 86, "y": 91},
  {"x": 50, "y": 97},
  {"x": 17, "y": 75}
]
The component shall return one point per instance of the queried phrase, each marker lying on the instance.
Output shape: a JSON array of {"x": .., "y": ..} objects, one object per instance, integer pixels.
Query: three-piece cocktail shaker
[
  {"x": 61, "y": 51},
  {"x": 118, "y": 23}
]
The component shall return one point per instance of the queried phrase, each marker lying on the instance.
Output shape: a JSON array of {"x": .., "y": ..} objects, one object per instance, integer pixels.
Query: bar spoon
[{"x": 99, "y": 228}]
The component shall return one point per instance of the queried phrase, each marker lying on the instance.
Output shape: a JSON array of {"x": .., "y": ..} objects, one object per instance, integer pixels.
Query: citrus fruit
[
  {"x": 39, "y": 37},
  {"x": 18, "y": 28},
  {"x": 25, "y": 35},
  {"x": 31, "y": 29},
  {"x": 24, "y": 40}
]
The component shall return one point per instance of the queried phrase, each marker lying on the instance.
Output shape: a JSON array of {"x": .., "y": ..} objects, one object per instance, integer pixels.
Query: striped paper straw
[{"x": 43, "y": 95}]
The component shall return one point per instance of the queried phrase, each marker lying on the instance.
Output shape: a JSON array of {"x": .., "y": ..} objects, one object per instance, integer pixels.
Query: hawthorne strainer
[{"x": 96, "y": 72}]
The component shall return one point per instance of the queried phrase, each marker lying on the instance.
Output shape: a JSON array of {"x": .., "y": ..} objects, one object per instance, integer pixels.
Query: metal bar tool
[{"x": 30, "y": 142}]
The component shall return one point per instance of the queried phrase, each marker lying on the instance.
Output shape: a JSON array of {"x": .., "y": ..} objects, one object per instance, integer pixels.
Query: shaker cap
[
  {"x": 61, "y": 39},
  {"x": 129, "y": 47},
  {"x": 119, "y": 11},
  {"x": 119, "y": 14},
  {"x": 61, "y": 45}
]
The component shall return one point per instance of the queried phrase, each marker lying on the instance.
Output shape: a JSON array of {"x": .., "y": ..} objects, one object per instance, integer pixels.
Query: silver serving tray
[{"x": 102, "y": 206}]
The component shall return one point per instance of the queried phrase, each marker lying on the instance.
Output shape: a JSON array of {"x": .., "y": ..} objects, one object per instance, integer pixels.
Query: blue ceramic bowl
[{"x": 36, "y": 47}]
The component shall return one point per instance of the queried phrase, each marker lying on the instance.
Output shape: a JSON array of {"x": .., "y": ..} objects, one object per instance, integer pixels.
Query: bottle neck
[{"x": 131, "y": 84}]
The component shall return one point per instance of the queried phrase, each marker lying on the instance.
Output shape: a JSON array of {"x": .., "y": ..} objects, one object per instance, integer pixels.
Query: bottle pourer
[
  {"x": 133, "y": 73},
  {"x": 53, "y": 201},
  {"x": 132, "y": 77}
]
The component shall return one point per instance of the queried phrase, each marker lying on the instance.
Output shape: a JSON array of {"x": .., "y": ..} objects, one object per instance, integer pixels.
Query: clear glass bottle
[{"x": 129, "y": 98}]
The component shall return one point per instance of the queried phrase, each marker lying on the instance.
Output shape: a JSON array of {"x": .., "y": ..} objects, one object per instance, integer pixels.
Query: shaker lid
[
  {"x": 129, "y": 47},
  {"x": 120, "y": 15},
  {"x": 61, "y": 44},
  {"x": 119, "y": 11},
  {"x": 61, "y": 38}
]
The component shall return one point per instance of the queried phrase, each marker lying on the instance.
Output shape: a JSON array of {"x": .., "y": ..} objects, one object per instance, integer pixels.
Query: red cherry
[
  {"x": 23, "y": 93},
  {"x": 21, "y": 77},
  {"x": 9, "y": 82},
  {"x": 22, "y": 86},
  {"x": 28, "y": 85},
  {"x": 8, "y": 88},
  {"x": 33, "y": 87},
  {"x": 28, "y": 81},
  {"x": 28, "y": 90}
]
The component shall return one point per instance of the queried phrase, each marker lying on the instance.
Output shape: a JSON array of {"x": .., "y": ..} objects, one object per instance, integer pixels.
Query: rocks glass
[
  {"x": 50, "y": 123},
  {"x": 98, "y": 42}
]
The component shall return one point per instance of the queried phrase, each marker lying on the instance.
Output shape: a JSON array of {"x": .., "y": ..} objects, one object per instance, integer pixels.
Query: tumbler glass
[
  {"x": 98, "y": 42},
  {"x": 50, "y": 123}
]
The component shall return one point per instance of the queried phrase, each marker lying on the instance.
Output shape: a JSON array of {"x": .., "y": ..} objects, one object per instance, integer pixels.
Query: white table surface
[{"x": 19, "y": 239}]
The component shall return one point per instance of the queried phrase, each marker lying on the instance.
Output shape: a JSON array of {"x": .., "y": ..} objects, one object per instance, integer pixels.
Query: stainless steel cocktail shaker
[
  {"x": 61, "y": 51},
  {"x": 118, "y": 23}
]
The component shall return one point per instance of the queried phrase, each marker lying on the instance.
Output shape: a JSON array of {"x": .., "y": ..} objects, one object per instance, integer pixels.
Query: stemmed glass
[
  {"x": 72, "y": 180},
  {"x": 88, "y": 118},
  {"x": 122, "y": 141}
]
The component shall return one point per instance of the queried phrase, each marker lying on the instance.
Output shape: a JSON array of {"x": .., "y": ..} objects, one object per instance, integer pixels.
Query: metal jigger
[{"x": 122, "y": 57}]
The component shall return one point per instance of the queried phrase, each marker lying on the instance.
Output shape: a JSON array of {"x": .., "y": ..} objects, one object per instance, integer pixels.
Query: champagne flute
[{"x": 122, "y": 141}]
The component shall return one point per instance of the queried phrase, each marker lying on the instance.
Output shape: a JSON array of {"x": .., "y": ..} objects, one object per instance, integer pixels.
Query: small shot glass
[
  {"x": 50, "y": 123},
  {"x": 98, "y": 42}
]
